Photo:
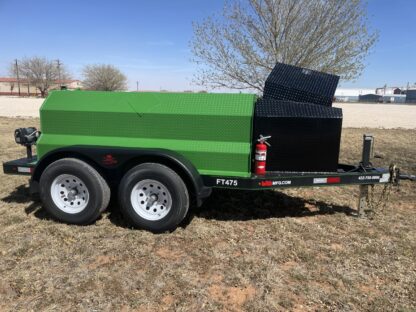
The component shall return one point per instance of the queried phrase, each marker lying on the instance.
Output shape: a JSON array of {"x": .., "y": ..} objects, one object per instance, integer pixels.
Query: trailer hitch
[
  {"x": 366, "y": 200},
  {"x": 396, "y": 176}
]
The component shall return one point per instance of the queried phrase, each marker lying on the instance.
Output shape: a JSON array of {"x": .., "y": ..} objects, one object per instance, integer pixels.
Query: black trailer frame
[{"x": 363, "y": 175}]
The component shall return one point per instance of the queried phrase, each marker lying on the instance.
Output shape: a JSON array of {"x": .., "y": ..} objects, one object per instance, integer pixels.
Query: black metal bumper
[{"x": 22, "y": 166}]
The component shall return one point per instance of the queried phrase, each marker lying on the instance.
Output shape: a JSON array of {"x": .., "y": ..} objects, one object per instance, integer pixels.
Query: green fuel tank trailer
[
  {"x": 212, "y": 131},
  {"x": 161, "y": 153}
]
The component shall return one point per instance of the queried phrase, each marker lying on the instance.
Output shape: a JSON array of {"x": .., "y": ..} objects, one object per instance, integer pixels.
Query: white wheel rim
[
  {"x": 69, "y": 193},
  {"x": 151, "y": 200}
]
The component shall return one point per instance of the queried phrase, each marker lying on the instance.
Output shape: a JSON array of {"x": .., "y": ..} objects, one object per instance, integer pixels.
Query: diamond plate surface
[
  {"x": 212, "y": 130},
  {"x": 274, "y": 108},
  {"x": 304, "y": 137},
  {"x": 287, "y": 82}
]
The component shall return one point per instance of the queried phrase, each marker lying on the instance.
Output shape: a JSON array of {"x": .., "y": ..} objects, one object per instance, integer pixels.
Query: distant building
[
  {"x": 388, "y": 91},
  {"x": 351, "y": 94},
  {"x": 394, "y": 98},
  {"x": 411, "y": 96},
  {"x": 9, "y": 86},
  {"x": 370, "y": 98},
  {"x": 392, "y": 95}
]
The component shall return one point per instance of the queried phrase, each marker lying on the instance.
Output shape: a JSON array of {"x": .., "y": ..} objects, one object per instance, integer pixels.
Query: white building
[
  {"x": 9, "y": 86},
  {"x": 388, "y": 91},
  {"x": 351, "y": 94}
]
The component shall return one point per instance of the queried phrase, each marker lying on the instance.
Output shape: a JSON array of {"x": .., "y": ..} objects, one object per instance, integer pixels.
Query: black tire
[
  {"x": 174, "y": 185},
  {"x": 98, "y": 190}
]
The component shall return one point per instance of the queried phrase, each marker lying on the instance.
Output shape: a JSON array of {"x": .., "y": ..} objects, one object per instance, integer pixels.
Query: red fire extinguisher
[{"x": 261, "y": 155}]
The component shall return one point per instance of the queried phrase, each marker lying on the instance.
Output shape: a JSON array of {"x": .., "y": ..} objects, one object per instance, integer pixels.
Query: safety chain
[{"x": 378, "y": 206}]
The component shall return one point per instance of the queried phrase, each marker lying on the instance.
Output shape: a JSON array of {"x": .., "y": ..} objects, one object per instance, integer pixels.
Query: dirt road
[{"x": 355, "y": 115}]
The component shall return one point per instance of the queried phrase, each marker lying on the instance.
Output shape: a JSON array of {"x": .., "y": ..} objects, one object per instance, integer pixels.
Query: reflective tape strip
[
  {"x": 320, "y": 180},
  {"x": 385, "y": 178},
  {"x": 23, "y": 169}
]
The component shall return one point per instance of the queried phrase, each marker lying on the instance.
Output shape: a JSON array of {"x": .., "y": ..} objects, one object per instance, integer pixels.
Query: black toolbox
[
  {"x": 292, "y": 83},
  {"x": 305, "y": 137}
]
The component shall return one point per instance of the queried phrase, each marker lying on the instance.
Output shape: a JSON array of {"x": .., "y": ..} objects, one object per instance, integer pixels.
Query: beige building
[{"x": 9, "y": 86}]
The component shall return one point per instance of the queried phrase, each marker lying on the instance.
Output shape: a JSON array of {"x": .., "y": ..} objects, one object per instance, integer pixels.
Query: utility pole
[
  {"x": 17, "y": 75},
  {"x": 137, "y": 86},
  {"x": 58, "y": 64}
]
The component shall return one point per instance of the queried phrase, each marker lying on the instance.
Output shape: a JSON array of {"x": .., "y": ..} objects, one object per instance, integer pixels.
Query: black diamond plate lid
[
  {"x": 303, "y": 79},
  {"x": 276, "y": 108}
]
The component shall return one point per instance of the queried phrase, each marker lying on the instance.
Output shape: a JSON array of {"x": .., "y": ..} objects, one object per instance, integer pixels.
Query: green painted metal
[{"x": 213, "y": 131}]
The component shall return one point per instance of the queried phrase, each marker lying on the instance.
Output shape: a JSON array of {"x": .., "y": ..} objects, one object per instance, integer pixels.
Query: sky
[{"x": 149, "y": 40}]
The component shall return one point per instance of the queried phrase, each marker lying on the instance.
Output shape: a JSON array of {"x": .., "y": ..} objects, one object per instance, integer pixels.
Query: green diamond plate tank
[{"x": 213, "y": 131}]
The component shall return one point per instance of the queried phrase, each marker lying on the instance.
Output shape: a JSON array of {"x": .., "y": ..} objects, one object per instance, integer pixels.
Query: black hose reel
[{"x": 27, "y": 137}]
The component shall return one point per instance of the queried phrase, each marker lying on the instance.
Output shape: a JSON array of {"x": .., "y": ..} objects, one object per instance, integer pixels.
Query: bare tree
[
  {"x": 40, "y": 72},
  {"x": 104, "y": 78},
  {"x": 240, "y": 47}
]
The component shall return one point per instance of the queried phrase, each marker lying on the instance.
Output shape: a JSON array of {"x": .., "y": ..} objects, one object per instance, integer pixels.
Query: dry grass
[{"x": 299, "y": 249}]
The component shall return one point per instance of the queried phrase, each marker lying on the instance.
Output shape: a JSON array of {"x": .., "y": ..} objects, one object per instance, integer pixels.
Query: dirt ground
[
  {"x": 298, "y": 249},
  {"x": 386, "y": 116}
]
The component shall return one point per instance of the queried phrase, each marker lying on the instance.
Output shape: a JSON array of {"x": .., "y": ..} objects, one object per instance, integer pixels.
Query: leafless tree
[
  {"x": 104, "y": 78},
  {"x": 238, "y": 48},
  {"x": 40, "y": 72}
]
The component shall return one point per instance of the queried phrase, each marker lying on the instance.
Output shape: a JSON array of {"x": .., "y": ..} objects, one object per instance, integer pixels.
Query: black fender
[{"x": 114, "y": 162}]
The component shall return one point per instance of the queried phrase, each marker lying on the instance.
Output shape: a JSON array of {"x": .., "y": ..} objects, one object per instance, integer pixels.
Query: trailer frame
[{"x": 364, "y": 175}]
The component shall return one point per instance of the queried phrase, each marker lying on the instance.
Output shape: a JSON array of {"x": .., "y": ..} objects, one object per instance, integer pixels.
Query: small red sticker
[
  {"x": 334, "y": 180},
  {"x": 109, "y": 160},
  {"x": 266, "y": 183}
]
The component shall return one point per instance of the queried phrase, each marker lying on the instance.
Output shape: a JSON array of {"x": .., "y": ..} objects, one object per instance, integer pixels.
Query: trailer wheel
[
  {"x": 73, "y": 192},
  {"x": 153, "y": 197}
]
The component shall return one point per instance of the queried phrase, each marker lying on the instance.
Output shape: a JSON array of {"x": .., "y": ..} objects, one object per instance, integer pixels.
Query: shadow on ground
[
  {"x": 222, "y": 205},
  {"x": 21, "y": 195},
  {"x": 237, "y": 205}
]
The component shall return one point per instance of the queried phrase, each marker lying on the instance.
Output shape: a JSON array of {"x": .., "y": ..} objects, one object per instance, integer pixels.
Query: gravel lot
[
  {"x": 19, "y": 107},
  {"x": 387, "y": 116}
]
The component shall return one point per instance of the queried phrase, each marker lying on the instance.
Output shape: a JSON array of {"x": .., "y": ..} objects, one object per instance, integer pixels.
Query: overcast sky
[{"x": 149, "y": 40}]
